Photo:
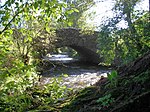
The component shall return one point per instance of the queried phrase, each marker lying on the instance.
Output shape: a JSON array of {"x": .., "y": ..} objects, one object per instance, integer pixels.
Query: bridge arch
[{"x": 84, "y": 43}]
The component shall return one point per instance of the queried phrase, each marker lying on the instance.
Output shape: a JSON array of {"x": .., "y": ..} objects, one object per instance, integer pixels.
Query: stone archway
[{"x": 84, "y": 43}]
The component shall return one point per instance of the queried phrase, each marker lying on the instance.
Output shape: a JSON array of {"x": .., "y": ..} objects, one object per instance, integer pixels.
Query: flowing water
[{"x": 80, "y": 75}]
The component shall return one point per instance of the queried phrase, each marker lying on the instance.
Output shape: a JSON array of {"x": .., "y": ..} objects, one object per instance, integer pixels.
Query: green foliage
[
  {"x": 14, "y": 83},
  {"x": 25, "y": 25},
  {"x": 15, "y": 77},
  {"x": 80, "y": 14},
  {"x": 142, "y": 78},
  {"x": 20, "y": 95},
  {"x": 105, "y": 101},
  {"x": 45, "y": 96},
  {"x": 55, "y": 89},
  {"x": 119, "y": 46},
  {"x": 70, "y": 52},
  {"x": 112, "y": 77}
]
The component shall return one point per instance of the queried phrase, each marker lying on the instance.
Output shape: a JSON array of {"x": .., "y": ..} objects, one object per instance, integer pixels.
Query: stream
[{"x": 79, "y": 75}]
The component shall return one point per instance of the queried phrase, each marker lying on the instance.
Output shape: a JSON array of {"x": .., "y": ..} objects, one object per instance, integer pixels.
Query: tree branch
[{"x": 6, "y": 27}]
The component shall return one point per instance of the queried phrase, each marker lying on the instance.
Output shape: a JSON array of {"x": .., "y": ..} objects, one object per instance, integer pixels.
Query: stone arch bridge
[{"x": 84, "y": 42}]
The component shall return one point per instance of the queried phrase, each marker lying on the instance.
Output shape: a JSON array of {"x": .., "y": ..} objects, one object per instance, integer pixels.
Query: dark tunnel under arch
[{"x": 86, "y": 55}]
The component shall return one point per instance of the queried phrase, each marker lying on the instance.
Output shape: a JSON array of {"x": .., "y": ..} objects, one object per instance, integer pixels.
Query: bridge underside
[{"x": 87, "y": 55}]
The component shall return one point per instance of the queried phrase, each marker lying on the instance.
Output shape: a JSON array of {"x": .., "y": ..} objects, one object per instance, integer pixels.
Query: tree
[
  {"x": 126, "y": 43},
  {"x": 23, "y": 22},
  {"x": 78, "y": 18},
  {"x": 127, "y": 9}
]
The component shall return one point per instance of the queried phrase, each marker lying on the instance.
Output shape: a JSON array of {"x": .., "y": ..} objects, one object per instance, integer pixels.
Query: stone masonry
[{"x": 84, "y": 42}]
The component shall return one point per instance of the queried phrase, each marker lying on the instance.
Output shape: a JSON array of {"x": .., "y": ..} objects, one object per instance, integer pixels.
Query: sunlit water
[
  {"x": 79, "y": 75},
  {"x": 62, "y": 58}
]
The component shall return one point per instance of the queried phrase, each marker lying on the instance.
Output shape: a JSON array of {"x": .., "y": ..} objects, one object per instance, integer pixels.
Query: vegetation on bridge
[{"x": 28, "y": 25}]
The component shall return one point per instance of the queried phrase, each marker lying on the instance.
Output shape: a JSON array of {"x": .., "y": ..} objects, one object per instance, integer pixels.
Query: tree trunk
[{"x": 138, "y": 66}]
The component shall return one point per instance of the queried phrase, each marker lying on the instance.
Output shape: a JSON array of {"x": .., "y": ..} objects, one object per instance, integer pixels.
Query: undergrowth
[{"x": 115, "y": 98}]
